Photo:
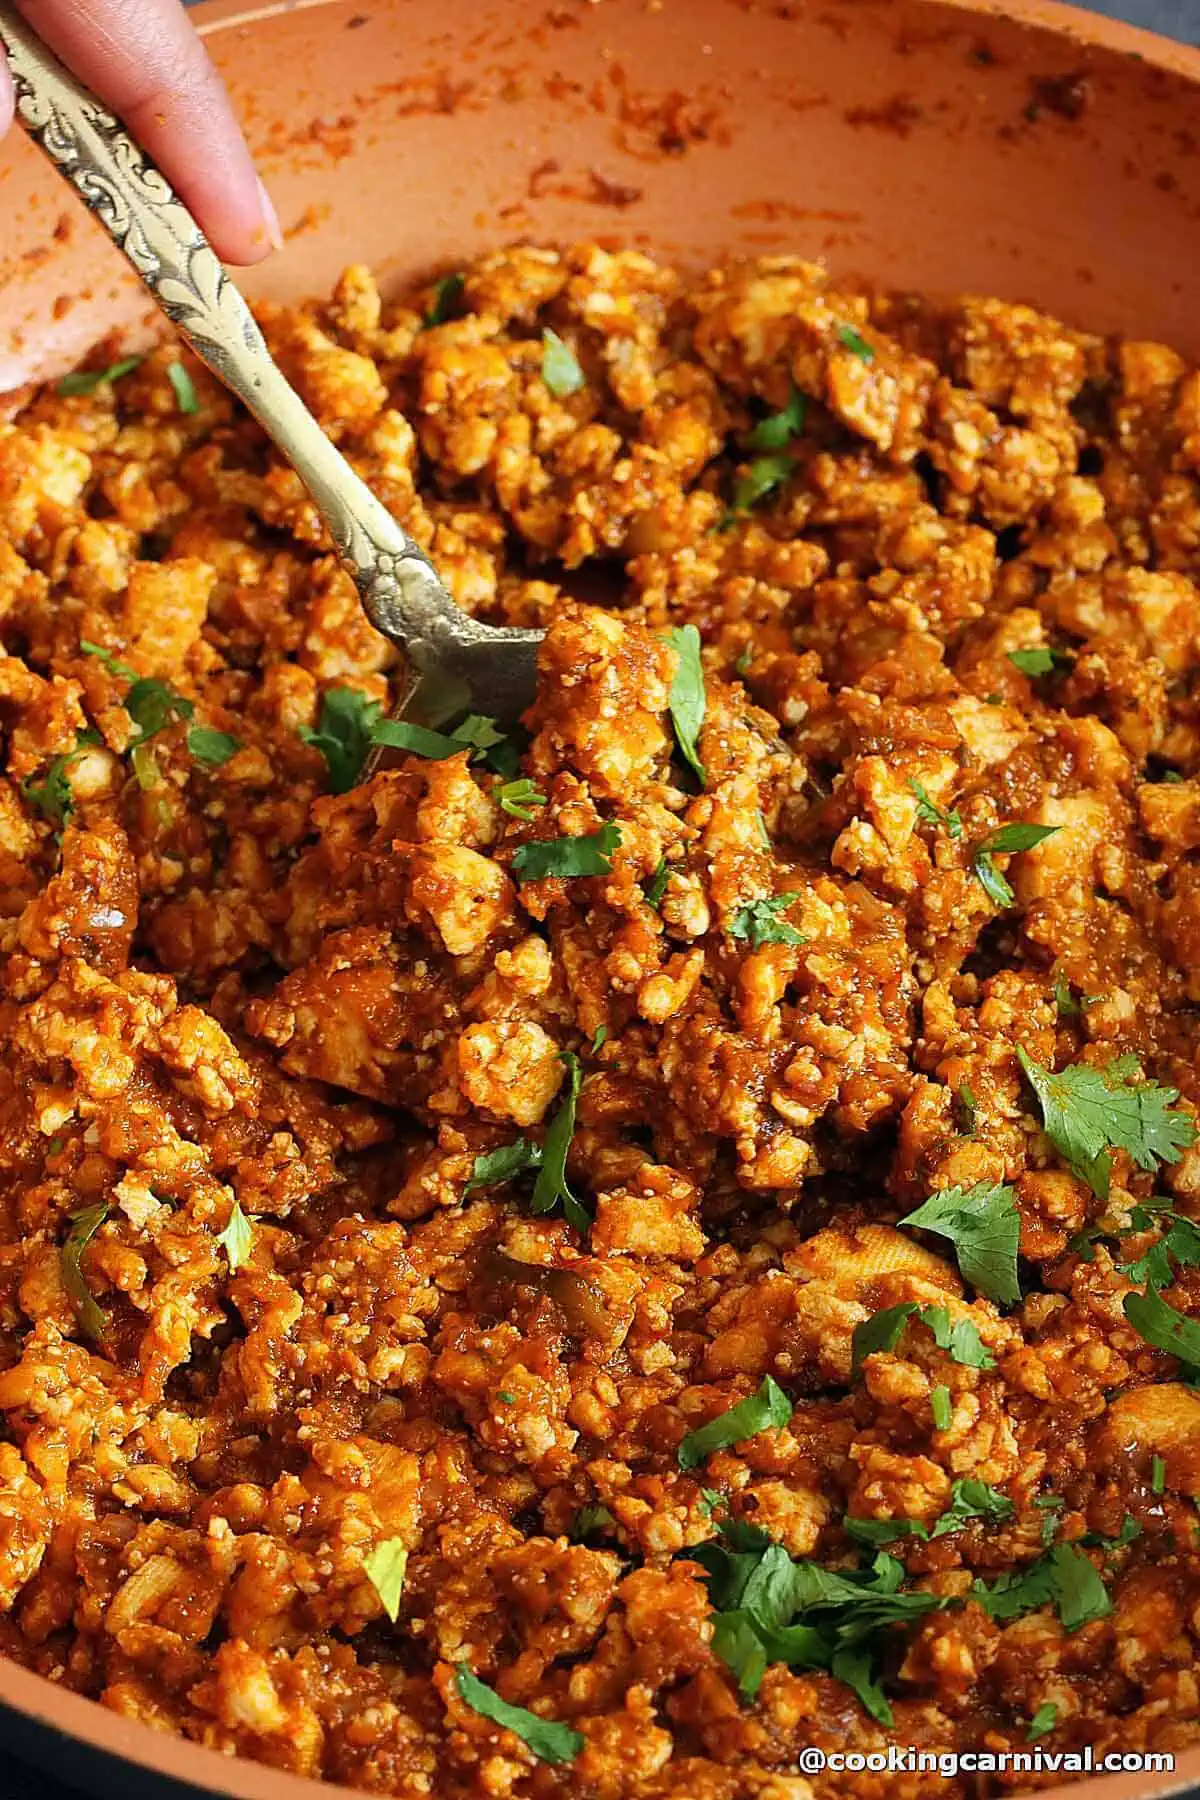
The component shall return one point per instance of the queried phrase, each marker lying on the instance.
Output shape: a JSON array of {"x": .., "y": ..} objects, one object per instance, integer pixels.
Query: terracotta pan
[{"x": 1033, "y": 152}]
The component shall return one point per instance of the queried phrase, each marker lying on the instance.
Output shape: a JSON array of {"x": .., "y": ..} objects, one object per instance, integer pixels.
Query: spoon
[{"x": 489, "y": 669}]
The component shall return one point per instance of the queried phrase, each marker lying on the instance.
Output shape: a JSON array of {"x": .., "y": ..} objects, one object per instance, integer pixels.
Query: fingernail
[{"x": 270, "y": 217}]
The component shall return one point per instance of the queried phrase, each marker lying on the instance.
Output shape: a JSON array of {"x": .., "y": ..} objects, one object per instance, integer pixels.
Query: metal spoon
[{"x": 490, "y": 668}]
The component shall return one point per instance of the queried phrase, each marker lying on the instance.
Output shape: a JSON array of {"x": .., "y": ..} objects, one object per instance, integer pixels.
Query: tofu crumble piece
[{"x": 605, "y": 1254}]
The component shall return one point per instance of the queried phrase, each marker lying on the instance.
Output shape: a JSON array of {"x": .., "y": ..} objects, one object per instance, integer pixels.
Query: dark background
[{"x": 1177, "y": 18}]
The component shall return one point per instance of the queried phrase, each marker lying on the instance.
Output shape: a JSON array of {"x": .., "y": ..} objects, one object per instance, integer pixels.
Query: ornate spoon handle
[{"x": 399, "y": 588}]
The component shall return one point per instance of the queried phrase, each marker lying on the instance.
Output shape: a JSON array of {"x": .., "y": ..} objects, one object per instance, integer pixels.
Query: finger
[{"x": 147, "y": 64}]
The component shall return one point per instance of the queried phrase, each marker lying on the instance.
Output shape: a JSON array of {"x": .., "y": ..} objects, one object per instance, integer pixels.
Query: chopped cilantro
[
  {"x": 1005, "y": 840},
  {"x": 551, "y": 1186},
  {"x": 745, "y": 657},
  {"x": 1163, "y": 1327},
  {"x": 504, "y": 1164},
  {"x": 943, "y": 1410},
  {"x": 600, "y": 1039},
  {"x": 109, "y": 658},
  {"x": 656, "y": 887},
  {"x": 853, "y": 340},
  {"x": 777, "y": 430},
  {"x": 506, "y": 1399},
  {"x": 520, "y": 799},
  {"x": 560, "y": 366},
  {"x": 446, "y": 293},
  {"x": 759, "y": 923},
  {"x": 1039, "y": 662},
  {"x": 211, "y": 747},
  {"x": 973, "y": 1500},
  {"x": 1180, "y": 1244},
  {"x": 152, "y": 706},
  {"x": 86, "y": 381},
  {"x": 930, "y": 813},
  {"x": 1170, "y": 778},
  {"x": 967, "y": 1107},
  {"x": 1051, "y": 1505},
  {"x": 1043, "y": 1720},
  {"x": 1158, "y": 1475},
  {"x": 1129, "y": 1533},
  {"x": 550, "y": 1741},
  {"x": 52, "y": 794},
  {"x": 385, "y": 1568},
  {"x": 766, "y": 1409},
  {"x": 688, "y": 701},
  {"x": 590, "y": 1521},
  {"x": 83, "y": 1228},
  {"x": 343, "y": 734},
  {"x": 185, "y": 388},
  {"x": 761, "y": 478},
  {"x": 237, "y": 1239},
  {"x": 1063, "y": 1577},
  {"x": 1087, "y": 1110},
  {"x": 590, "y": 854},
  {"x": 1065, "y": 1001},
  {"x": 984, "y": 1225},
  {"x": 882, "y": 1332}
]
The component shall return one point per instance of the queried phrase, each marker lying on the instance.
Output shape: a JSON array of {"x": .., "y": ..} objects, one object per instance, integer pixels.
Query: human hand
[{"x": 145, "y": 61}]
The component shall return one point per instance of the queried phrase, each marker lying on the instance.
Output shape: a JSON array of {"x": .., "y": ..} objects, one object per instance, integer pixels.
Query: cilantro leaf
[
  {"x": 745, "y": 657},
  {"x": 551, "y": 1185},
  {"x": 1163, "y": 1326},
  {"x": 688, "y": 700},
  {"x": 1087, "y": 1110},
  {"x": 1067, "y": 1005},
  {"x": 853, "y": 340},
  {"x": 550, "y": 1741},
  {"x": 600, "y": 1039},
  {"x": 418, "y": 740},
  {"x": 932, "y": 814},
  {"x": 446, "y": 292},
  {"x": 1043, "y": 1720},
  {"x": 1158, "y": 1475},
  {"x": 504, "y": 1164},
  {"x": 519, "y": 799},
  {"x": 185, "y": 388},
  {"x": 762, "y": 477},
  {"x": 109, "y": 658},
  {"x": 777, "y": 430},
  {"x": 855, "y": 1669},
  {"x": 237, "y": 1239},
  {"x": 973, "y": 1500},
  {"x": 590, "y": 1521},
  {"x": 738, "y": 1641},
  {"x": 1040, "y": 662},
  {"x": 1180, "y": 1244},
  {"x": 52, "y": 794},
  {"x": 656, "y": 887},
  {"x": 385, "y": 1568},
  {"x": 967, "y": 1107},
  {"x": 766, "y": 1409},
  {"x": 343, "y": 734},
  {"x": 880, "y": 1332},
  {"x": 83, "y": 1228},
  {"x": 566, "y": 857},
  {"x": 152, "y": 706},
  {"x": 758, "y": 922},
  {"x": 212, "y": 747},
  {"x": 942, "y": 1408},
  {"x": 1005, "y": 840},
  {"x": 984, "y": 1225},
  {"x": 961, "y": 1338},
  {"x": 86, "y": 381},
  {"x": 1064, "y": 1577},
  {"x": 560, "y": 366},
  {"x": 883, "y": 1531}
]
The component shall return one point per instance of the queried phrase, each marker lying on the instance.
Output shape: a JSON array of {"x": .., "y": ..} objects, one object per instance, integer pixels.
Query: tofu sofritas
[{"x": 597, "y": 1259}]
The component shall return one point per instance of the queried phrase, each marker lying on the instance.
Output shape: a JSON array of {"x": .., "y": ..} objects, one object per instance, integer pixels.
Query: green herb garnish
[
  {"x": 777, "y": 430},
  {"x": 688, "y": 699},
  {"x": 212, "y": 747},
  {"x": 52, "y": 794},
  {"x": 967, "y": 1107},
  {"x": 656, "y": 887},
  {"x": 185, "y": 388},
  {"x": 1163, "y": 1327},
  {"x": 83, "y": 1228},
  {"x": 984, "y": 1225},
  {"x": 551, "y": 1186},
  {"x": 882, "y": 1332},
  {"x": 237, "y": 1239},
  {"x": 853, "y": 340},
  {"x": 86, "y": 381},
  {"x": 567, "y": 857},
  {"x": 764, "y": 1410},
  {"x": 1063, "y": 1577},
  {"x": 519, "y": 798},
  {"x": 385, "y": 1568},
  {"x": 1043, "y": 1720},
  {"x": 761, "y": 478},
  {"x": 1087, "y": 1111},
  {"x": 932, "y": 814},
  {"x": 1039, "y": 662},
  {"x": 560, "y": 366},
  {"x": 1005, "y": 840},
  {"x": 445, "y": 295},
  {"x": 943, "y": 1410},
  {"x": 550, "y": 1741},
  {"x": 759, "y": 923},
  {"x": 504, "y": 1164},
  {"x": 590, "y": 1521}
]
